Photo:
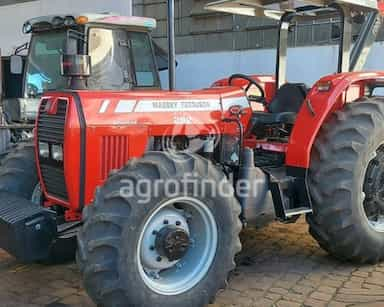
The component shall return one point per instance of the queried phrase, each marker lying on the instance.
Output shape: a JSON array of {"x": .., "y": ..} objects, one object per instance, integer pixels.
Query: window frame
[{"x": 156, "y": 84}]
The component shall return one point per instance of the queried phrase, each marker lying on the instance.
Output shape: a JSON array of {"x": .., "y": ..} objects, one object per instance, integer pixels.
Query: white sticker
[
  {"x": 178, "y": 105},
  {"x": 104, "y": 106},
  {"x": 125, "y": 106}
]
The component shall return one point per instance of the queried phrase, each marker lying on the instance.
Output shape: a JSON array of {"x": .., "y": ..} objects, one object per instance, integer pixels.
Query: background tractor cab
[{"x": 122, "y": 59}]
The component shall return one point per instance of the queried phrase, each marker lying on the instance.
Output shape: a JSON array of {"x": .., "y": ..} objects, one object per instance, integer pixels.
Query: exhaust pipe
[{"x": 171, "y": 45}]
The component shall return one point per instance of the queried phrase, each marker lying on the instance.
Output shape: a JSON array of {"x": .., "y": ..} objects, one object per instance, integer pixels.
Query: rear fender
[{"x": 319, "y": 105}]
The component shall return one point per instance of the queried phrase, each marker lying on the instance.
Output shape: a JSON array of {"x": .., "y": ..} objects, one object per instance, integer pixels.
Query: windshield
[
  {"x": 43, "y": 68},
  {"x": 121, "y": 59}
]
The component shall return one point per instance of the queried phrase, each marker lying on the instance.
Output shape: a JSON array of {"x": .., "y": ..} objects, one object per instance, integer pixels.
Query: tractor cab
[
  {"x": 122, "y": 52},
  {"x": 120, "y": 47},
  {"x": 282, "y": 103}
]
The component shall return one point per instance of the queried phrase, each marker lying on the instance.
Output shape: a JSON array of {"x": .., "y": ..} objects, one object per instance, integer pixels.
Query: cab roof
[
  {"x": 275, "y": 9},
  {"x": 89, "y": 18}
]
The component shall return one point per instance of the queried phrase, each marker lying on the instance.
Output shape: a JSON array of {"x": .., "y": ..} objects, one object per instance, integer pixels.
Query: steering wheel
[{"x": 250, "y": 83}]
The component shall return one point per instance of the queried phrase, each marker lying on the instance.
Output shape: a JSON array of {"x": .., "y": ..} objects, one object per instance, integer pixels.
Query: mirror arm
[
  {"x": 21, "y": 48},
  {"x": 77, "y": 35}
]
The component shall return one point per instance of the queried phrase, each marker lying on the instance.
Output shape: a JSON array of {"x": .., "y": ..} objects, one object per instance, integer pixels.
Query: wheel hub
[
  {"x": 374, "y": 191},
  {"x": 177, "y": 246},
  {"x": 156, "y": 242},
  {"x": 172, "y": 242}
]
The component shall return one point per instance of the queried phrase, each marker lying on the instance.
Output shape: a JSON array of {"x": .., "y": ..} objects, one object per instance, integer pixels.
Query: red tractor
[{"x": 157, "y": 184}]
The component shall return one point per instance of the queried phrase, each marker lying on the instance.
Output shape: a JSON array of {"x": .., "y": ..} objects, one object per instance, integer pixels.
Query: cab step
[
  {"x": 290, "y": 194},
  {"x": 297, "y": 211}
]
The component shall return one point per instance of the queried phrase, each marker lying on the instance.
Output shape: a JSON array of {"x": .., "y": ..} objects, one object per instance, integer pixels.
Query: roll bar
[
  {"x": 276, "y": 8},
  {"x": 351, "y": 58}
]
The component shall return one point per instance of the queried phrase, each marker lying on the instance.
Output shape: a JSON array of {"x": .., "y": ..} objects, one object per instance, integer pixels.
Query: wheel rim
[
  {"x": 373, "y": 191},
  {"x": 191, "y": 218}
]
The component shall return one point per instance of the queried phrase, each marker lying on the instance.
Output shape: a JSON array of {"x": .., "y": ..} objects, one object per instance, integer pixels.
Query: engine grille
[
  {"x": 50, "y": 129},
  {"x": 114, "y": 153}
]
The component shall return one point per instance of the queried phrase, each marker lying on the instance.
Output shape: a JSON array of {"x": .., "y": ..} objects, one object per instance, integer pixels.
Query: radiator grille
[
  {"x": 114, "y": 153},
  {"x": 50, "y": 129}
]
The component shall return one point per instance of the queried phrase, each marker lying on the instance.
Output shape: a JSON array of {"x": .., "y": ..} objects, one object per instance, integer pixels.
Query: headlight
[
  {"x": 57, "y": 21},
  {"x": 57, "y": 153},
  {"x": 69, "y": 21},
  {"x": 27, "y": 28},
  {"x": 44, "y": 150}
]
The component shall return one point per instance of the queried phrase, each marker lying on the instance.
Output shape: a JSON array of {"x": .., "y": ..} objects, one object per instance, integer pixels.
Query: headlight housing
[
  {"x": 69, "y": 21},
  {"x": 44, "y": 150},
  {"x": 57, "y": 153},
  {"x": 27, "y": 28}
]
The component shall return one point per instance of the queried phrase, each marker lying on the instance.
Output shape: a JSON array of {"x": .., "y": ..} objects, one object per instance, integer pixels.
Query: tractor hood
[
  {"x": 159, "y": 109},
  {"x": 97, "y": 132}
]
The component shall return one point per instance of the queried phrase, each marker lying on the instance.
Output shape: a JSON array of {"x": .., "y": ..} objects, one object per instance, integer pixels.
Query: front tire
[
  {"x": 124, "y": 253},
  {"x": 18, "y": 173},
  {"x": 346, "y": 180}
]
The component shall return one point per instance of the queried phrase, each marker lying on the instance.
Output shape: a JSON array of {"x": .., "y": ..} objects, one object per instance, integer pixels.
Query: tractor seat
[{"x": 284, "y": 107}]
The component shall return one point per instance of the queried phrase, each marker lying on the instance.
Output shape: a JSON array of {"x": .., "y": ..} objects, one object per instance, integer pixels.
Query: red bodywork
[
  {"x": 120, "y": 124},
  {"x": 380, "y": 4}
]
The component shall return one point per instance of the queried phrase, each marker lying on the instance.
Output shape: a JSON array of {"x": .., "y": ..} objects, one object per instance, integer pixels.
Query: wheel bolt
[
  {"x": 158, "y": 259},
  {"x": 152, "y": 248},
  {"x": 178, "y": 223},
  {"x": 154, "y": 232},
  {"x": 166, "y": 222}
]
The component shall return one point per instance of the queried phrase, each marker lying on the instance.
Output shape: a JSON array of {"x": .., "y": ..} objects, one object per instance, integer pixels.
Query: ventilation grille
[
  {"x": 114, "y": 153},
  {"x": 51, "y": 126},
  {"x": 50, "y": 130}
]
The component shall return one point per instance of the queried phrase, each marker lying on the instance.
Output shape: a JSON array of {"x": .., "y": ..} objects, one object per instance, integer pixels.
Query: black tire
[
  {"x": 340, "y": 158},
  {"x": 18, "y": 175},
  {"x": 108, "y": 240}
]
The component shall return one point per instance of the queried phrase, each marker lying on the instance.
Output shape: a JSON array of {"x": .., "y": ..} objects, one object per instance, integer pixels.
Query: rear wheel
[
  {"x": 347, "y": 183},
  {"x": 167, "y": 251}
]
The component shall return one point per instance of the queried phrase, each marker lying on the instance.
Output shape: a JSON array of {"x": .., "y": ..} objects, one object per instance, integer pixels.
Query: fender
[{"x": 319, "y": 105}]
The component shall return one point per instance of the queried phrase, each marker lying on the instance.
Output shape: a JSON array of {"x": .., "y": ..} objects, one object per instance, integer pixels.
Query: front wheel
[{"x": 166, "y": 250}]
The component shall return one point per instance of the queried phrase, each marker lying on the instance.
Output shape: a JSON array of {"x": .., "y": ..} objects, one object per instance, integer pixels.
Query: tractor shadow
[{"x": 285, "y": 248}]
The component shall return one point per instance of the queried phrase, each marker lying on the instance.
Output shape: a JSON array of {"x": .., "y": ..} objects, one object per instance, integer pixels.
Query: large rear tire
[
  {"x": 346, "y": 180},
  {"x": 122, "y": 252}
]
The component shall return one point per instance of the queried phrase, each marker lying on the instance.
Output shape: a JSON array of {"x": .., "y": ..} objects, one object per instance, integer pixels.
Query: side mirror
[
  {"x": 16, "y": 63},
  {"x": 76, "y": 65},
  {"x": 78, "y": 68}
]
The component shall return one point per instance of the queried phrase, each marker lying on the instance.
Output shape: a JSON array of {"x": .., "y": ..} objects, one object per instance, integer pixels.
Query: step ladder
[{"x": 290, "y": 195}]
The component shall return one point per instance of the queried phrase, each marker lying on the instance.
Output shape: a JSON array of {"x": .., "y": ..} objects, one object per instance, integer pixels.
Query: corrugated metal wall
[{"x": 198, "y": 30}]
